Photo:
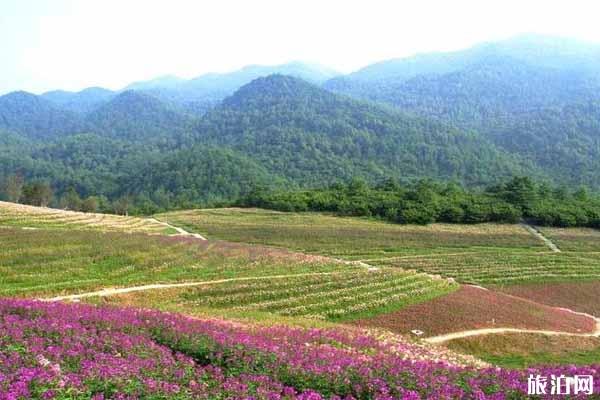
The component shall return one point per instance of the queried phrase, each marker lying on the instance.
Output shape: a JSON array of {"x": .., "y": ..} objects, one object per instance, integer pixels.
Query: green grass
[
  {"x": 348, "y": 238},
  {"x": 526, "y": 350},
  {"x": 52, "y": 262},
  {"x": 36, "y": 262}
]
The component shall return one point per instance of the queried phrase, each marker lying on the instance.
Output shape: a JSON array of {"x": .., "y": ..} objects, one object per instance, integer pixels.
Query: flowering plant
[{"x": 77, "y": 351}]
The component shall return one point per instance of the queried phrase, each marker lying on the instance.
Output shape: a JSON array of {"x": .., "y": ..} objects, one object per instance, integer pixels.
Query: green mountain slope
[
  {"x": 81, "y": 102},
  {"x": 534, "y": 97},
  {"x": 136, "y": 116},
  {"x": 35, "y": 117},
  {"x": 312, "y": 136}
]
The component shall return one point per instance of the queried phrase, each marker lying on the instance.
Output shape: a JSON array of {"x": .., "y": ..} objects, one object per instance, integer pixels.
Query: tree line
[
  {"x": 421, "y": 202},
  {"x": 41, "y": 194},
  {"x": 426, "y": 201}
]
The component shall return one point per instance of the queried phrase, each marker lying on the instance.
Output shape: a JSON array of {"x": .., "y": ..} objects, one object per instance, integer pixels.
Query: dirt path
[
  {"x": 535, "y": 232},
  {"x": 369, "y": 267},
  {"x": 488, "y": 331},
  {"x": 180, "y": 231},
  {"x": 117, "y": 291}
]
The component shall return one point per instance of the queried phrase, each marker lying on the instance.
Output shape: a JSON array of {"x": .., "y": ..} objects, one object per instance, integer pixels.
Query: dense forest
[
  {"x": 425, "y": 202},
  {"x": 534, "y": 97},
  {"x": 529, "y": 106}
]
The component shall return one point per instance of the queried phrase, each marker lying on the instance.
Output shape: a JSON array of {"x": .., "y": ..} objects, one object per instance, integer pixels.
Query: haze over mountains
[{"x": 525, "y": 106}]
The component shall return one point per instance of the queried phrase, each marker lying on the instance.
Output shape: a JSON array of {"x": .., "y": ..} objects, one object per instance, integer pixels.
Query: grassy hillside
[
  {"x": 480, "y": 254},
  {"x": 346, "y": 237},
  {"x": 52, "y": 252},
  {"x": 44, "y": 262},
  {"x": 522, "y": 350}
]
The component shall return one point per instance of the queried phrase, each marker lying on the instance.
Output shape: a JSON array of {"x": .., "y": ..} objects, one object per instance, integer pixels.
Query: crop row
[
  {"x": 43, "y": 262},
  {"x": 501, "y": 267},
  {"x": 272, "y": 290},
  {"x": 574, "y": 239},
  {"x": 348, "y": 238},
  {"x": 326, "y": 296},
  {"x": 36, "y": 217}
]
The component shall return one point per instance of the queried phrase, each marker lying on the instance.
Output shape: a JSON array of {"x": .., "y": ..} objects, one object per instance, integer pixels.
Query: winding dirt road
[
  {"x": 180, "y": 231},
  {"x": 117, "y": 291},
  {"x": 488, "y": 331},
  {"x": 434, "y": 340}
]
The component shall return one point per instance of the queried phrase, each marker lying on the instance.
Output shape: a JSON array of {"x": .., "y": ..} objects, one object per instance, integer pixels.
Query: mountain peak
[
  {"x": 272, "y": 89},
  {"x": 137, "y": 116},
  {"x": 20, "y": 95},
  {"x": 34, "y": 117}
]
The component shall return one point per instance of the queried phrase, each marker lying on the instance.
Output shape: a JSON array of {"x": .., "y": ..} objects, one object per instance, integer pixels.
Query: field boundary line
[
  {"x": 116, "y": 291},
  {"x": 536, "y": 232},
  {"x": 180, "y": 231},
  {"x": 435, "y": 255}
]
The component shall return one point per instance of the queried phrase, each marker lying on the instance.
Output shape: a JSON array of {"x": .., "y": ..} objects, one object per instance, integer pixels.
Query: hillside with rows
[
  {"x": 282, "y": 302},
  {"x": 506, "y": 273}
]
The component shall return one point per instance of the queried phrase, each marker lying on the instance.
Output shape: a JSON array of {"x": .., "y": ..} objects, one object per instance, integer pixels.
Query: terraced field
[
  {"x": 349, "y": 238},
  {"x": 258, "y": 279},
  {"x": 578, "y": 296},
  {"x": 476, "y": 308},
  {"x": 19, "y": 215},
  {"x": 485, "y": 254},
  {"x": 337, "y": 296},
  {"x": 307, "y": 269},
  {"x": 44, "y": 262},
  {"x": 503, "y": 267}
]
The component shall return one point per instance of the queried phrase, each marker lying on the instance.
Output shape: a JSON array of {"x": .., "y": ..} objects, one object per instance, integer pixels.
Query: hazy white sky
[{"x": 70, "y": 44}]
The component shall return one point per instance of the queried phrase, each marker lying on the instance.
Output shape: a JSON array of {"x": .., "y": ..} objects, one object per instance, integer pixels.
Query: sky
[{"x": 73, "y": 44}]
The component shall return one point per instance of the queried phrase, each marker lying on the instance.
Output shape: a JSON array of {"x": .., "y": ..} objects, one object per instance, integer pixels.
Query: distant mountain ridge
[
  {"x": 524, "y": 90},
  {"x": 36, "y": 118},
  {"x": 80, "y": 102},
  {"x": 194, "y": 95},
  {"x": 526, "y": 106}
]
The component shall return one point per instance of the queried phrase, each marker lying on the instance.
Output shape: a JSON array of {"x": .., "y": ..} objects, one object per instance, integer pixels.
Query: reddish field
[
  {"x": 472, "y": 308},
  {"x": 579, "y": 296}
]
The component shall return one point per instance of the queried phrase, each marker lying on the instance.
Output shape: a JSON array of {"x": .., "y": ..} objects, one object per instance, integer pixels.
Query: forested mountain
[
  {"x": 535, "y": 97},
  {"x": 199, "y": 94},
  {"x": 312, "y": 136},
  {"x": 274, "y": 131},
  {"x": 36, "y": 118},
  {"x": 200, "y": 174},
  {"x": 533, "y": 50},
  {"x": 137, "y": 116},
  {"x": 81, "y": 102},
  {"x": 190, "y": 96},
  {"x": 492, "y": 87},
  {"x": 528, "y": 106}
]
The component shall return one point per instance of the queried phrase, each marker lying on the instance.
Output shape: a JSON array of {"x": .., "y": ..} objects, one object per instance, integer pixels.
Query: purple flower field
[{"x": 76, "y": 351}]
